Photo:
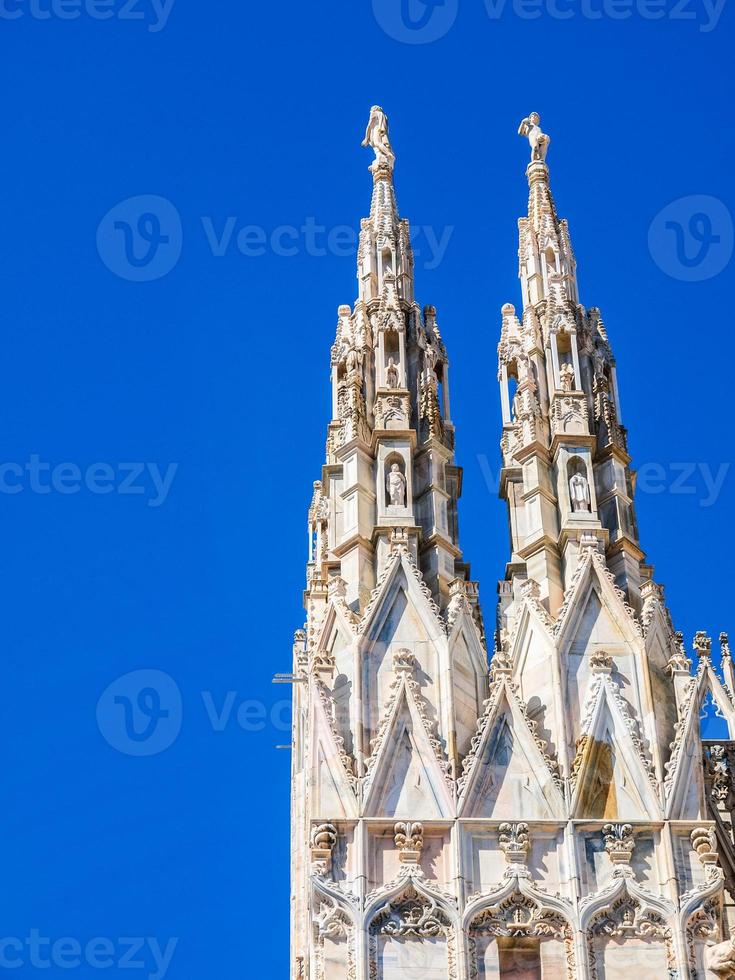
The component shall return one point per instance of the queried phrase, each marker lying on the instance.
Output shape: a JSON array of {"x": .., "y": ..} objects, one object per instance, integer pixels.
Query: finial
[
  {"x": 376, "y": 136},
  {"x": 539, "y": 141}
]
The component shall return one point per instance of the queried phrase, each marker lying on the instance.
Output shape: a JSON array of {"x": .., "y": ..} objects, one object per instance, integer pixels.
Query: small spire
[{"x": 376, "y": 137}]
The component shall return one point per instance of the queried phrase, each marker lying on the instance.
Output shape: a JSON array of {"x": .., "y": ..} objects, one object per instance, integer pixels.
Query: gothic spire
[
  {"x": 560, "y": 405},
  {"x": 385, "y": 251}
]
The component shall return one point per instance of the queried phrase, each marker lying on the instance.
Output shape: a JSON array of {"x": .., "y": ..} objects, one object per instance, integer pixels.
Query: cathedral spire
[
  {"x": 561, "y": 410},
  {"x": 390, "y": 450},
  {"x": 385, "y": 256}
]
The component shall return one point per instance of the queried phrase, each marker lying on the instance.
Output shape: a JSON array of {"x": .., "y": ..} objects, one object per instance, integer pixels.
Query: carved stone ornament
[
  {"x": 409, "y": 839},
  {"x": 601, "y": 661},
  {"x": 717, "y": 766},
  {"x": 514, "y": 841},
  {"x": 323, "y": 842},
  {"x": 619, "y": 842},
  {"x": 702, "y": 645},
  {"x": 704, "y": 843},
  {"x": 679, "y": 663}
]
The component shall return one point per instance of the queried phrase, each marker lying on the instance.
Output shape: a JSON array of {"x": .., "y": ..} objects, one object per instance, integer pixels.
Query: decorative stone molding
[
  {"x": 413, "y": 689},
  {"x": 702, "y": 645},
  {"x": 703, "y": 926},
  {"x": 328, "y": 702},
  {"x": 569, "y": 413},
  {"x": 704, "y": 842},
  {"x": 515, "y": 841},
  {"x": 323, "y": 843},
  {"x": 404, "y": 661},
  {"x": 521, "y": 915},
  {"x": 392, "y": 410},
  {"x": 679, "y": 663},
  {"x": 717, "y": 767},
  {"x": 497, "y": 688},
  {"x": 626, "y": 917},
  {"x": 619, "y": 843},
  {"x": 409, "y": 839},
  {"x": 601, "y": 677},
  {"x": 601, "y": 662},
  {"x": 412, "y": 915}
]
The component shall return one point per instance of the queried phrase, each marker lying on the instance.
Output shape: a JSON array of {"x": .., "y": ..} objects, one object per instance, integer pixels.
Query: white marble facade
[{"x": 528, "y": 800}]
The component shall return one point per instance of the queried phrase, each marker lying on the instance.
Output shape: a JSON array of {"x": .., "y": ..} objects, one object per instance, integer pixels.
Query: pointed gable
[
  {"x": 507, "y": 775},
  {"x": 331, "y": 768},
  {"x": 612, "y": 776},
  {"x": 405, "y": 775}
]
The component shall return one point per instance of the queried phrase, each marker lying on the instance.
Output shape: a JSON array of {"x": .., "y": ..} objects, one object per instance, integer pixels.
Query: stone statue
[
  {"x": 539, "y": 141},
  {"x": 376, "y": 136},
  {"x": 720, "y": 959},
  {"x": 579, "y": 492},
  {"x": 396, "y": 486},
  {"x": 391, "y": 374},
  {"x": 353, "y": 360},
  {"x": 566, "y": 376}
]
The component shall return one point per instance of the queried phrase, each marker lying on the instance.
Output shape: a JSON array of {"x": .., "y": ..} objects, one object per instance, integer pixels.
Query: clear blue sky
[{"x": 255, "y": 112}]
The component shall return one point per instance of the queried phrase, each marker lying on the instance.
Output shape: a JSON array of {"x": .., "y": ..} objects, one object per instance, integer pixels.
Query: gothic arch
[
  {"x": 519, "y": 910},
  {"x": 333, "y": 922},
  {"x": 623, "y": 909},
  {"x": 409, "y": 909}
]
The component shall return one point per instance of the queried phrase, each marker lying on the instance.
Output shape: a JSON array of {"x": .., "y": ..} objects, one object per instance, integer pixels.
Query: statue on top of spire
[
  {"x": 539, "y": 141},
  {"x": 376, "y": 136}
]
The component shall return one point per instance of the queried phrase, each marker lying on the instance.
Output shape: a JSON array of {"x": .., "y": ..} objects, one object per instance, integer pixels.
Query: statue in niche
[
  {"x": 566, "y": 377},
  {"x": 376, "y": 137},
  {"x": 396, "y": 486},
  {"x": 539, "y": 141},
  {"x": 391, "y": 374},
  {"x": 579, "y": 493}
]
